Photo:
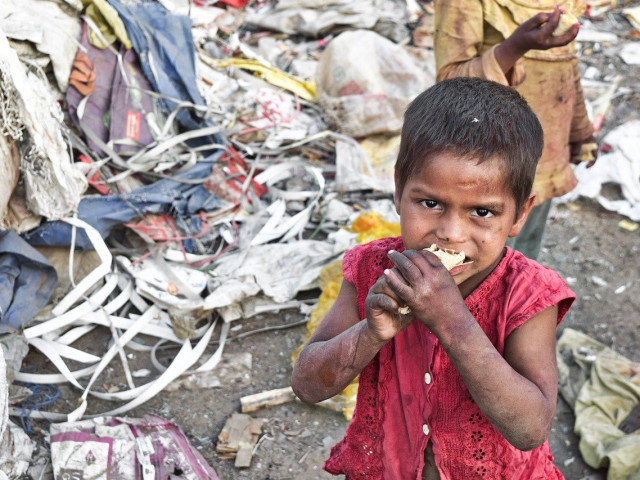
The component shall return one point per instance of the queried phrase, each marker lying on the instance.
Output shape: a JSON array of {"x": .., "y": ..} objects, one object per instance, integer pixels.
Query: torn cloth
[
  {"x": 27, "y": 281},
  {"x": 105, "y": 212},
  {"x": 164, "y": 44},
  {"x": 120, "y": 107},
  {"x": 603, "y": 387}
]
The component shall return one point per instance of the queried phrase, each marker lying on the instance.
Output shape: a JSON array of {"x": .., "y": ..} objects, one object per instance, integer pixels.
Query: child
[
  {"x": 465, "y": 385},
  {"x": 516, "y": 43}
]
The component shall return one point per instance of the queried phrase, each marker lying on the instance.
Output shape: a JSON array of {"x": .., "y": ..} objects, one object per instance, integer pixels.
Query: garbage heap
[{"x": 170, "y": 167}]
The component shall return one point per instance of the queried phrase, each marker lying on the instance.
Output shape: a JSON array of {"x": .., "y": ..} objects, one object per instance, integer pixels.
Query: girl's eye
[
  {"x": 430, "y": 203},
  {"x": 483, "y": 212}
]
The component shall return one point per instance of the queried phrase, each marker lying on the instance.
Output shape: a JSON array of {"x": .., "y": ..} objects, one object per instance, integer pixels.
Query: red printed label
[{"x": 133, "y": 125}]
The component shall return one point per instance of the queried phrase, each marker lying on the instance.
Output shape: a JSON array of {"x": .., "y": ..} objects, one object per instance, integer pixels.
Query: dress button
[
  {"x": 427, "y": 378},
  {"x": 425, "y": 429}
]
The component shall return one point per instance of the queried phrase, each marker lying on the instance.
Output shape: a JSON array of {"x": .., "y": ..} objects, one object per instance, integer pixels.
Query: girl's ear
[
  {"x": 524, "y": 213},
  {"x": 396, "y": 193}
]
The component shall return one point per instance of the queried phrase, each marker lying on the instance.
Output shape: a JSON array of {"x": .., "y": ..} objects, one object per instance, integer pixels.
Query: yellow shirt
[{"x": 466, "y": 35}]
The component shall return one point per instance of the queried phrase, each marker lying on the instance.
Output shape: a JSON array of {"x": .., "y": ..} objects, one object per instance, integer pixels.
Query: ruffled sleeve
[{"x": 534, "y": 288}]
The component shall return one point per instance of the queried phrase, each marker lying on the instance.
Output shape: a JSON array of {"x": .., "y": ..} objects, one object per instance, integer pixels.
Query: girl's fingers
[
  {"x": 401, "y": 290},
  {"x": 379, "y": 301},
  {"x": 566, "y": 37},
  {"x": 405, "y": 263},
  {"x": 382, "y": 284}
]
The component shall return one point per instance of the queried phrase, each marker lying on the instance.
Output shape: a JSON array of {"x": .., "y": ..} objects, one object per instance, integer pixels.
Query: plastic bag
[
  {"x": 125, "y": 448},
  {"x": 364, "y": 83}
]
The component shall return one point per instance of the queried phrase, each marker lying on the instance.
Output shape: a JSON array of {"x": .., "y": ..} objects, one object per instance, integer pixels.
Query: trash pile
[{"x": 169, "y": 167}]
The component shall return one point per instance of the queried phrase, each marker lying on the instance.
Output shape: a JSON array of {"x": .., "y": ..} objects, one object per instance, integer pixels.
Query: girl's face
[{"x": 460, "y": 204}]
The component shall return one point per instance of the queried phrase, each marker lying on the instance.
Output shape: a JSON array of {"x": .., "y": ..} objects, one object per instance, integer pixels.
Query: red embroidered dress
[{"x": 410, "y": 392}]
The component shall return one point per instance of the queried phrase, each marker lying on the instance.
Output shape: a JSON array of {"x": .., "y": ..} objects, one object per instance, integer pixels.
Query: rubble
[{"x": 238, "y": 437}]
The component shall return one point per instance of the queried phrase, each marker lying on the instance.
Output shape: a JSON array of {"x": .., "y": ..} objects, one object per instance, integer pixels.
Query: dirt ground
[{"x": 583, "y": 242}]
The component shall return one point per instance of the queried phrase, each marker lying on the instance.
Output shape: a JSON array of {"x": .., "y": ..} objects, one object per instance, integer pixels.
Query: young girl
[{"x": 463, "y": 386}]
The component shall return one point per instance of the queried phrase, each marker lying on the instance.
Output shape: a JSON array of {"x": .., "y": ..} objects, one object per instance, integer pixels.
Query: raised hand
[
  {"x": 534, "y": 34},
  {"x": 537, "y": 32}
]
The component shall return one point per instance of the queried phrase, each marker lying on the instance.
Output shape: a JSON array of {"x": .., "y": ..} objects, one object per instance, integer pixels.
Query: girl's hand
[
  {"x": 420, "y": 281},
  {"x": 534, "y": 34},
  {"x": 383, "y": 311}
]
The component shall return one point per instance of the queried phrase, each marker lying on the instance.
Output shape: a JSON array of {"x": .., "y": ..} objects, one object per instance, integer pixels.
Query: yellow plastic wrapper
[
  {"x": 274, "y": 76},
  {"x": 382, "y": 152},
  {"x": 108, "y": 22},
  {"x": 370, "y": 226}
]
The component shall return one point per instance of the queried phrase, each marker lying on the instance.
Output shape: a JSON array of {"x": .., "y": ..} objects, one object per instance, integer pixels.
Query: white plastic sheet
[
  {"x": 621, "y": 166},
  {"x": 52, "y": 184},
  {"x": 365, "y": 82},
  {"x": 314, "y": 17},
  {"x": 280, "y": 270},
  {"x": 48, "y": 27}
]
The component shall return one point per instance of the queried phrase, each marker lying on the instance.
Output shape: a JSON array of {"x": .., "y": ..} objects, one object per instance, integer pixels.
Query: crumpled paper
[{"x": 53, "y": 184}]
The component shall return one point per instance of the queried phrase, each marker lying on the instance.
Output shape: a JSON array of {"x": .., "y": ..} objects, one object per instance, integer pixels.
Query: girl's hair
[{"x": 474, "y": 118}]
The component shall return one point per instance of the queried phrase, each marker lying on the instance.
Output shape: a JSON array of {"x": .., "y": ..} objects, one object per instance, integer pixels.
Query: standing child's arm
[
  {"x": 517, "y": 392},
  {"x": 343, "y": 344},
  {"x": 459, "y": 35}
]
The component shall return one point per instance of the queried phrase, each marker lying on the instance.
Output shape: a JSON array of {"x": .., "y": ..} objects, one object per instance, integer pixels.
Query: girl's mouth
[{"x": 459, "y": 268}]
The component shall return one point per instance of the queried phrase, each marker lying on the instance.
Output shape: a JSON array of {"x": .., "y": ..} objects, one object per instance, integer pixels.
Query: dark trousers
[{"x": 529, "y": 240}]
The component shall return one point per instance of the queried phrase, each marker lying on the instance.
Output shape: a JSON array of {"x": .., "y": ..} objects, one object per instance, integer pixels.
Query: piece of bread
[
  {"x": 449, "y": 258},
  {"x": 567, "y": 20}
]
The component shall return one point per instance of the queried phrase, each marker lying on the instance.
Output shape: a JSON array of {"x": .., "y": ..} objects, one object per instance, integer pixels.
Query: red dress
[{"x": 410, "y": 392}]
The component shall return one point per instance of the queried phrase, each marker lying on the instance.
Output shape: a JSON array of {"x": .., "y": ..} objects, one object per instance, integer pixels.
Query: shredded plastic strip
[{"x": 113, "y": 295}]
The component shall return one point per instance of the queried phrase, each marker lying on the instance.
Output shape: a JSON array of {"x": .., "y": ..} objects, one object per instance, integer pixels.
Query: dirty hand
[
  {"x": 383, "y": 311},
  {"x": 537, "y": 33},
  {"x": 421, "y": 281},
  {"x": 584, "y": 151}
]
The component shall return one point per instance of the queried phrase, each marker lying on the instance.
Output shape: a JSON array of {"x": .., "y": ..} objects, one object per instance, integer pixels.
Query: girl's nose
[{"x": 450, "y": 230}]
